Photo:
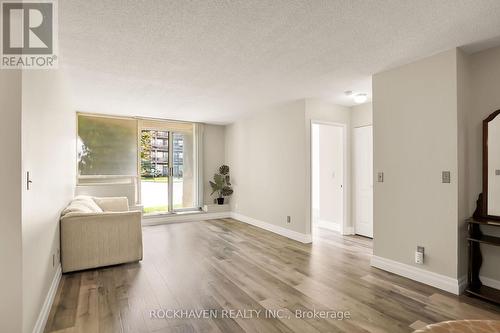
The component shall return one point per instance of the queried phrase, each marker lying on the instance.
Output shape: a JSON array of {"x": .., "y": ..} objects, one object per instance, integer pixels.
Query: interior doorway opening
[{"x": 328, "y": 165}]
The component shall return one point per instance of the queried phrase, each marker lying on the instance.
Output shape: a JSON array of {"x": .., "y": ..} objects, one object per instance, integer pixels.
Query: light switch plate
[
  {"x": 497, "y": 172},
  {"x": 380, "y": 177},
  {"x": 446, "y": 176}
]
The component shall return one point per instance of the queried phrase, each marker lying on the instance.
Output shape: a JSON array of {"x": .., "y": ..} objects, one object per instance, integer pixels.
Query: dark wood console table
[{"x": 476, "y": 237}]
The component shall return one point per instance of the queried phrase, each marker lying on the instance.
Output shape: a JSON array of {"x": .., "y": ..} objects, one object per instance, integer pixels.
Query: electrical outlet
[
  {"x": 497, "y": 172},
  {"x": 288, "y": 219},
  {"x": 419, "y": 255},
  {"x": 380, "y": 177},
  {"x": 446, "y": 176}
]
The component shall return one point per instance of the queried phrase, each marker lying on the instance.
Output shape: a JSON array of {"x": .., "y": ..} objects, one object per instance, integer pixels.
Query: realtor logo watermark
[{"x": 29, "y": 35}]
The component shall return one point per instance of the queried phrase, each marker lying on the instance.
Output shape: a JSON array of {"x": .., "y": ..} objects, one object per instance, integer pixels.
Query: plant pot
[{"x": 220, "y": 201}]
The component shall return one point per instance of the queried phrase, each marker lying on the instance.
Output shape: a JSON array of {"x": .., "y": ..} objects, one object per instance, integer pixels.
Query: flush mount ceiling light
[{"x": 360, "y": 98}]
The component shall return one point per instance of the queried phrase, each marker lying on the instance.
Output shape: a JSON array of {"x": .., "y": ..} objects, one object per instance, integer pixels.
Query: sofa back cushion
[{"x": 112, "y": 204}]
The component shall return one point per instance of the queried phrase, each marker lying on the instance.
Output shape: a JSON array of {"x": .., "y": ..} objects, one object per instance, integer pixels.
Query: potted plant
[{"x": 221, "y": 184}]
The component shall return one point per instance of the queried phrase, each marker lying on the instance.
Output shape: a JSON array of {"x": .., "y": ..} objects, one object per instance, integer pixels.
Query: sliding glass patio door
[
  {"x": 155, "y": 170},
  {"x": 183, "y": 171},
  {"x": 168, "y": 182}
]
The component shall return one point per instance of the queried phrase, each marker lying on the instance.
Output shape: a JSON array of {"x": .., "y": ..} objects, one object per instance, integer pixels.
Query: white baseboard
[
  {"x": 462, "y": 284},
  {"x": 439, "y": 281},
  {"x": 201, "y": 216},
  {"x": 489, "y": 282},
  {"x": 47, "y": 304},
  {"x": 348, "y": 231},
  {"x": 334, "y": 226},
  {"x": 300, "y": 237}
]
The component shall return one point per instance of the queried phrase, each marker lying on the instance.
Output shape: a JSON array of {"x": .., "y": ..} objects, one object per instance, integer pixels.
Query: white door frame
[
  {"x": 354, "y": 213},
  {"x": 345, "y": 189}
]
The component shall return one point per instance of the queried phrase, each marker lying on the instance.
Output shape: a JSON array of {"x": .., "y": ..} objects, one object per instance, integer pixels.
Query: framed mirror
[{"x": 490, "y": 198}]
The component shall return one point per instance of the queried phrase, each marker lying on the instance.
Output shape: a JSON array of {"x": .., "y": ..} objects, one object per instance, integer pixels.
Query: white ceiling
[{"x": 215, "y": 61}]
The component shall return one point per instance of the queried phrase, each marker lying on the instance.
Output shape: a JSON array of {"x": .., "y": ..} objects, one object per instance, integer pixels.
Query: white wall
[
  {"x": 267, "y": 155},
  {"x": 315, "y": 172},
  {"x": 213, "y": 156},
  {"x": 270, "y": 156},
  {"x": 485, "y": 80},
  {"x": 10, "y": 202},
  {"x": 49, "y": 144},
  {"x": 463, "y": 107},
  {"x": 430, "y": 101},
  {"x": 415, "y": 139},
  {"x": 362, "y": 115}
]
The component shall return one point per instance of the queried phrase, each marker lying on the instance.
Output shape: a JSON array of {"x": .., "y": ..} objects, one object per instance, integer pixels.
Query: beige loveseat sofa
[{"x": 98, "y": 232}]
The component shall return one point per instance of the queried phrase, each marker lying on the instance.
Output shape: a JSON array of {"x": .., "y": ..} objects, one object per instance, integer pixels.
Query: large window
[
  {"x": 161, "y": 154},
  {"x": 107, "y": 148}
]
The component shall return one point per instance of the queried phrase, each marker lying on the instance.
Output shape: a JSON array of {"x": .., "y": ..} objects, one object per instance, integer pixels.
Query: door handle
[{"x": 28, "y": 181}]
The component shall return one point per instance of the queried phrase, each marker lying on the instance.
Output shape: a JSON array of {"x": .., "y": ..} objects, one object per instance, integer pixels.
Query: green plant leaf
[
  {"x": 219, "y": 180},
  {"x": 214, "y": 187},
  {"x": 227, "y": 191},
  {"x": 224, "y": 169},
  {"x": 222, "y": 182}
]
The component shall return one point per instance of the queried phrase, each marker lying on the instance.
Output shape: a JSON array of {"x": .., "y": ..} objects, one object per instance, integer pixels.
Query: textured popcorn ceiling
[{"x": 216, "y": 61}]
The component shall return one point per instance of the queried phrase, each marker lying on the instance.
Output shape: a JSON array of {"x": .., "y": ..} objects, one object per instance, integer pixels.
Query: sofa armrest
[
  {"x": 102, "y": 216},
  {"x": 91, "y": 240}
]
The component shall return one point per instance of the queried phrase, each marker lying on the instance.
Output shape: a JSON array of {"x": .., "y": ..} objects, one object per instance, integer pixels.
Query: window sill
[
  {"x": 191, "y": 216},
  {"x": 181, "y": 213}
]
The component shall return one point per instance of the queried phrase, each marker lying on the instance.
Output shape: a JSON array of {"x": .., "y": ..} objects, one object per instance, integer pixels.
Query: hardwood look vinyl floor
[{"x": 223, "y": 265}]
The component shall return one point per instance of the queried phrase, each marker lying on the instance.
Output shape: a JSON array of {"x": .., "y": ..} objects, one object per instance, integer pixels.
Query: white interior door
[{"x": 363, "y": 180}]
